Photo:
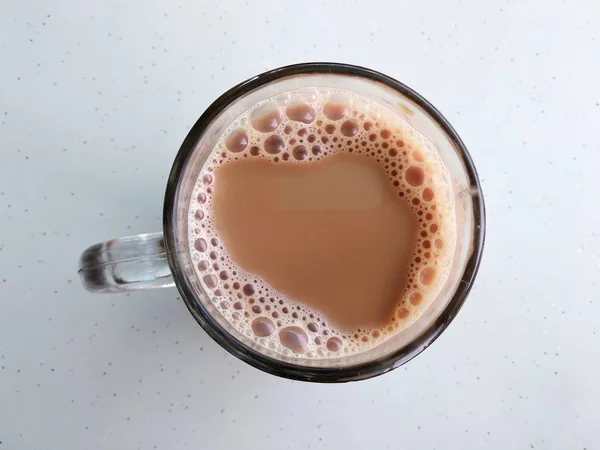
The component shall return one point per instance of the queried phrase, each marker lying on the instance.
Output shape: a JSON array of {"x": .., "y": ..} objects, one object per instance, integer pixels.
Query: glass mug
[{"x": 163, "y": 259}]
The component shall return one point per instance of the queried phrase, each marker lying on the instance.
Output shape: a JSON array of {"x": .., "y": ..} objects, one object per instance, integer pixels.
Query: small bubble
[
  {"x": 418, "y": 156},
  {"x": 210, "y": 280},
  {"x": 335, "y": 111},
  {"x": 248, "y": 289},
  {"x": 428, "y": 194},
  {"x": 403, "y": 313},
  {"x": 428, "y": 276},
  {"x": 350, "y": 128},
  {"x": 274, "y": 144},
  {"x": 200, "y": 245},
  {"x": 415, "y": 176},
  {"x": 334, "y": 344},
  {"x": 237, "y": 141},
  {"x": 294, "y": 338},
  {"x": 300, "y": 152},
  {"x": 416, "y": 298},
  {"x": 301, "y": 113},
  {"x": 266, "y": 118},
  {"x": 263, "y": 327}
]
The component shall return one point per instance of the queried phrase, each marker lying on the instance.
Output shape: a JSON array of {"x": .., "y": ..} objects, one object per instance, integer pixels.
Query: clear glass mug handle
[{"x": 127, "y": 264}]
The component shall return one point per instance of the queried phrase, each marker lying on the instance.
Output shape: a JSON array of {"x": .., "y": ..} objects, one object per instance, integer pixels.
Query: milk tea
[{"x": 322, "y": 224}]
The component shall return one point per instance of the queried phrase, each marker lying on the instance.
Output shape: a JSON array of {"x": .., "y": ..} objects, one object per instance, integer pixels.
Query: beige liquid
[
  {"x": 322, "y": 228},
  {"x": 333, "y": 233}
]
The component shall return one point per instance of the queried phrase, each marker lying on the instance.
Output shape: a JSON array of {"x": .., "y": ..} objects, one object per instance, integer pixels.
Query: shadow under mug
[{"x": 163, "y": 259}]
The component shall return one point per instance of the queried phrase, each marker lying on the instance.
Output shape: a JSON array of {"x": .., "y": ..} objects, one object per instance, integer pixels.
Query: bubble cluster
[{"x": 298, "y": 128}]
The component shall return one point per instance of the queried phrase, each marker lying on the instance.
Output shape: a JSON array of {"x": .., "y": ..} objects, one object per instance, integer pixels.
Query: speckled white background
[{"x": 95, "y": 99}]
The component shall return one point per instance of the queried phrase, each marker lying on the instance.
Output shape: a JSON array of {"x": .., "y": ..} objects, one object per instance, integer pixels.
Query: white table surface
[{"x": 95, "y": 100}]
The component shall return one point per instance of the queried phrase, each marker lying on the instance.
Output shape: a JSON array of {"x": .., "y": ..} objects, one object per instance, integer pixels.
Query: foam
[{"x": 326, "y": 121}]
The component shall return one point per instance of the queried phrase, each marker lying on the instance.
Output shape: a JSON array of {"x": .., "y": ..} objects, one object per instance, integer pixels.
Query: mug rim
[{"x": 284, "y": 369}]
